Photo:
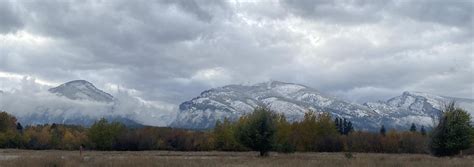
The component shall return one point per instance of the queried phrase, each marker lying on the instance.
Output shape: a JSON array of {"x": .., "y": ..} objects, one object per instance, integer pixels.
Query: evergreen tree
[
  {"x": 413, "y": 127},
  {"x": 19, "y": 128},
  {"x": 382, "y": 130},
  {"x": 423, "y": 131},
  {"x": 54, "y": 126},
  {"x": 341, "y": 126},
  {"x": 453, "y": 133},
  {"x": 344, "y": 127},
  {"x": 349, "y": 128}
]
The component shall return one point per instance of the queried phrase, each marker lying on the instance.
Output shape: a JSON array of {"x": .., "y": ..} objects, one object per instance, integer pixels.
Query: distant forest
[{"x": 261, "y": 130}]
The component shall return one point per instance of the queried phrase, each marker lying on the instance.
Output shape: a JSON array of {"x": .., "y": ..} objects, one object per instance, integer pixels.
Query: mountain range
[
  {"x": 293, "y": 100},
  {"x": 80, "y": 102}
]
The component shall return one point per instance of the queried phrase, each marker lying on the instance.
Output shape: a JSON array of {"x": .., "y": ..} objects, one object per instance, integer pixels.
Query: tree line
[
  {"x": 102, "y": 135},
  {"x": 315, "y": 133},
  {"x": 261, "y": 130}
]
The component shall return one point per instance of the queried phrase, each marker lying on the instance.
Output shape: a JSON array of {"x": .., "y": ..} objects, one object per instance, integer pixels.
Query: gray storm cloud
[{"x": 169, "y": 51}]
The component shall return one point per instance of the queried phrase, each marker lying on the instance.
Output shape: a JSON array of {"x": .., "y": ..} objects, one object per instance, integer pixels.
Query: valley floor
[{"x": 19, "y": 158}]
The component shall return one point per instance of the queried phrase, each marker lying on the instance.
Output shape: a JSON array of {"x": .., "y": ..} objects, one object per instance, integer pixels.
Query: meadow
[{"x": 32, "y": 158}]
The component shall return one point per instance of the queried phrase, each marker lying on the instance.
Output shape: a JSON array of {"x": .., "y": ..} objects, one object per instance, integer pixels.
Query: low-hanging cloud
[
  {"x": 170, "y": 51},
  {"x": 30, "y": 99}
]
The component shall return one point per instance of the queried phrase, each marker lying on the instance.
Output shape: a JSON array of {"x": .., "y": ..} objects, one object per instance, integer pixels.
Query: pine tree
[
  {"x": 413, "y": 127},
  {"x": 341, "y": 126},
  {"x": 349, "y": 128},
  {"x": 423, "y": 131},
  {"x": 19, "y": 128},
  {"x": 382, "y": 130},
  {"x": 344, "y": 127},
  {"x": 54, "y": 126}
]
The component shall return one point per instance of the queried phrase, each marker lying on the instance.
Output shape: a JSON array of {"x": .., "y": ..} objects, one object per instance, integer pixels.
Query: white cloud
[
  {"x": 170, "y": 51},
  {"x": 213, "y": 76}
]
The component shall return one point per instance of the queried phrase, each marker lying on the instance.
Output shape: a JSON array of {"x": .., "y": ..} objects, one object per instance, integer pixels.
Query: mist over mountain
[
  {"x": 163, "y": 53},
  {"x": 80, "y": 102}
]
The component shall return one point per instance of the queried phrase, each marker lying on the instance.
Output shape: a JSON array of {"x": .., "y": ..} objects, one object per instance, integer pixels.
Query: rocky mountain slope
[
  {"x": 80, "y": 102},
  {"x": 293, "y": 100},
  {"x": 82, "y": 90},
  {"x": 415, "y": 107}
]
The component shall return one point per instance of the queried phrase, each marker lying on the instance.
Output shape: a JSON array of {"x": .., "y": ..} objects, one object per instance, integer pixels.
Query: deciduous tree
[
  {"x": 258, "y": 130},
  {"x": 453, "y": 133},
  {"x": 104, "y": 135}
]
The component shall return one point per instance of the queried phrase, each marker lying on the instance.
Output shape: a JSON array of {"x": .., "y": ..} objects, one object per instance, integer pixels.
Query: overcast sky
[{"x": 170, "y": 51}]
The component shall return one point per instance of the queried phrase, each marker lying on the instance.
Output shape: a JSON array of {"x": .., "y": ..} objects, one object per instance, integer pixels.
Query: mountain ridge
[
  {"x": 83, "y": 90},
  {"x": 84, "y": 103},
  {"x": 292, "y": 100}
]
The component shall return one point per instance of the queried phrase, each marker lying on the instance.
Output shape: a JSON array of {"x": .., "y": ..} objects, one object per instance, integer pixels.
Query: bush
[
  {"x": 413, "y": 143},
  {"x": 364, "y": 142},
  {"x": 331, "y": 143}
]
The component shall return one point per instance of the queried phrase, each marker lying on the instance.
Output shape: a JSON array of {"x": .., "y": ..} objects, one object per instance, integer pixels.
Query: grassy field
[{"x": 19, "y": 158}]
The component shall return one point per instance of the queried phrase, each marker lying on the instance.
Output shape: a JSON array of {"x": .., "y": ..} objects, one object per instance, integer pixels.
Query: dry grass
[{"x": 27, "y": 158}]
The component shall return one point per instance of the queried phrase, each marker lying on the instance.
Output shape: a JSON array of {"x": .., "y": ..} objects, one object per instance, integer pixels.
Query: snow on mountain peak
[
  {"x": 410, "y": 98},
  {"x": 82, "y": 90},
  {"x": 232, "y": 101},
  {"x": 293, "y": 100},
  {"x": 416, "y": 107},
  {"x": 285, "y": 88}
]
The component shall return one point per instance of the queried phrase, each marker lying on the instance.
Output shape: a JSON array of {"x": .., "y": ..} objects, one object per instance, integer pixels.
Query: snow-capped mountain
[
  {"x": 293, "y": 100},
  {"x": 415, "y": 107},
  {"x": 80, "y": 102},
  {"x": 82, "y": 90}
]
